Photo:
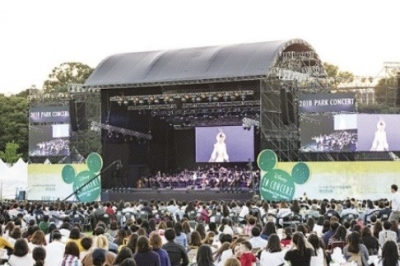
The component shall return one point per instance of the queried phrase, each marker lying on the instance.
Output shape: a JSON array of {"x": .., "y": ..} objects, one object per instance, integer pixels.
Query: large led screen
[
  {"x": 49, "y": 140},
  {"x": 378, "y": 132},
  {"x": 224, "y": 144},
  {"x": 328, "y": 133}
]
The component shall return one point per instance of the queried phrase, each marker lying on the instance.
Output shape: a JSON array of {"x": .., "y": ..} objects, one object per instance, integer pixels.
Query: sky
[{"x": 36, "y": 36}]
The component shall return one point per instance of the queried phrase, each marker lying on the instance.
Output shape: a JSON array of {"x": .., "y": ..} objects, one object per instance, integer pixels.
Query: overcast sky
[{"x": 36, "y": 36}]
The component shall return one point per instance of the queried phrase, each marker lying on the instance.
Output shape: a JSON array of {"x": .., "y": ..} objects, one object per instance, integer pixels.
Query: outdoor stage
[{"x": 178, "y": 194}]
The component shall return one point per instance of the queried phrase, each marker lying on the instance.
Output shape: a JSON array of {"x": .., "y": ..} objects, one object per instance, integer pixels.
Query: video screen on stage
[
  {"x": 378, "y": 132},
  {"x": 328, "y": 133},
  {"x": 49, "y": 140},
  {"x": 224, "y": 144}
]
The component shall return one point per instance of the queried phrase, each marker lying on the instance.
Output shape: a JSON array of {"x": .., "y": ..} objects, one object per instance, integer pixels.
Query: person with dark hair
[
  {"x": 128, "y": 262},
  {"x": 132, "y": 242},
  {"x": 204, "y": 256},
  {"x": 268, "y": 229},
  {"x": 395, "y": 204},
  {"x": 202, "y": 230},
  {"x": 123, "y": 254},
  {"x": 39, "y": 255},
  {"x": 287, "y": 236},
  {"x": 144, "y": 255},
  {"x": 195, "y": 239},
  {"x": 75, "y": 236},
  {"x": 318, "y": 256},
  {"x": 256, "y": 241},
  {"x": 177, "y": 254},
  {"x": 387, "y": 234},
  {"x": 156, "y": 243},
  {"x": 180, "y": 238},
  {"x": 223, "y": 253},
  {"x": 390, "y": 254},
  {"x": 245, "y": 255},
  {"x": 370, "y": 242},
  {"x": 355, "y": 251},
  {"x": 332, "y": 231},
  {"x": 299, "y": 254},
  {"x": 86, "y": 243},
  {"x": 232, "y": 262},
  {"x": 20, "y": 255},
  {"x": 56, "y": 248},
  {"x": 98, "y": 257},
  {"x": 338, "y": 239},
  {"x": 273, "y": 254},
  {"x": 71, "y": 255}
]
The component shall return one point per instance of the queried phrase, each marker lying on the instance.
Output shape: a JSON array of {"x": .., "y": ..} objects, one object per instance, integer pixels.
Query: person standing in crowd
[
  {"x": 176, "y": 252},
  {"x": 395, "y": 204},
  {"x": 39, "y": 255}
]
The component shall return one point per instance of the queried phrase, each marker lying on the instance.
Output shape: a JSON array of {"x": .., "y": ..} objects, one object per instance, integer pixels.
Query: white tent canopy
[{"x": 13, "y": 179}]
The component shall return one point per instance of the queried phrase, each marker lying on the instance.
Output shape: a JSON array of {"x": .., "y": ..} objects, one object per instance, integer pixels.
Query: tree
[
  {"x": 337, "y": 76},
  {"x": 65, "y": 74},
  {"x": 10, "y": 154},
  {"x": 14, "y": 123}
]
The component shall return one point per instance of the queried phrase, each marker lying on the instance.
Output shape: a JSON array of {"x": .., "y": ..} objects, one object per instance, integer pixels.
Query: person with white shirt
[
  {"x": 395, "y": 204},
  {"x": 55, "y": 249},
  {"x": 273, "y": 254},
  {"x": 223, "y": 253},
  {"x": 255, "y": 240},
  {"x": 21, "y": 255},
  {"x": 225, "y": 228}
]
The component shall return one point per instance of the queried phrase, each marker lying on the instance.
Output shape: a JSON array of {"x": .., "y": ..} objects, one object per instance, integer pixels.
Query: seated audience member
[
  {"x": 273, "y": 254},
  {"x": 245, "y": 255},
  {"x": 20, "y": 255},
  {"x": 355, "y": 250},
  {"x": 176, "y": 252},
  {"x": 71, "y": 254},
  {"x": 55, "y": 249},
  {"x": 255, "y": 240},
  {"x": 299, "y": 254},
  {"x": 370, "y": 242},
  {"x": 387, "y": 234}
]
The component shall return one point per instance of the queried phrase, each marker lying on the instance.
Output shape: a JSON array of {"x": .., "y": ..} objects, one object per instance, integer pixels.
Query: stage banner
[
  {"x": 325, "y": 180},
  {"x": 49, "y": 114},
  {"x": 326, "y": 102},
  {"x": 58, "y": 181}
]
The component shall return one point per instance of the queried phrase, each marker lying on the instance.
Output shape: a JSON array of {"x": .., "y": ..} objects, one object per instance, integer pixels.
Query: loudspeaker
[
  {"x": 284, "y": 106},
  {"x": 72, "y": 115},
  {"x": 81, "y": 120}
]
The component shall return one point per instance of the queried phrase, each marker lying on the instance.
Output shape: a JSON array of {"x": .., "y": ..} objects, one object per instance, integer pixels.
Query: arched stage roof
[{"x": 248, "y": 61}]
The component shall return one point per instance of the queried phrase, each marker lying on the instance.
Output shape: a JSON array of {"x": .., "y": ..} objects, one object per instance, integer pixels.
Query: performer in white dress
[{"x": 220, "y": 153}]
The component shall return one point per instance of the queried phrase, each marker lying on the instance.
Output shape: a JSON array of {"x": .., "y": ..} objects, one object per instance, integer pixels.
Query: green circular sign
[
  {"x": 94, "y": 162},
  {"x": 300, "y": 173},
  {"x": 277, "y": 185},
  {"x": 68, "y": 174},
  {"x": 91, "y": 191},
  {"x": 266, "y": 160}
]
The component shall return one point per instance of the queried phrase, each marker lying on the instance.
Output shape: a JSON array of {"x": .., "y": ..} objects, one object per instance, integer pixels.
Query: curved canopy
[{"x": 193, "y": 65}]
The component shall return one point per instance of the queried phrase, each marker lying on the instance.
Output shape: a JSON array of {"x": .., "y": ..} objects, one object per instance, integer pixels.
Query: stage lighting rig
[{"x": 95, "y": 126}]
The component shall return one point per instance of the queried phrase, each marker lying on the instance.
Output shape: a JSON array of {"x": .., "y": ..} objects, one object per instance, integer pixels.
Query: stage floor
[{"x": 179, "y": 194}]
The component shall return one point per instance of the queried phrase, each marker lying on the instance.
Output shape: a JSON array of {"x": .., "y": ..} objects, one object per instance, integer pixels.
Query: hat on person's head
[{"x": 99, "y": 254}]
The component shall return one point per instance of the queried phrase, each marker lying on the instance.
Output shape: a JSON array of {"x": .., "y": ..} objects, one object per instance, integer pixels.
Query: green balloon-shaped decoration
[
  {"x": 68, "y": 174},
  {"x": 94, "y": 162},
  {"x": 300, "y": 173},
  {"x": 266, "y": 160}
]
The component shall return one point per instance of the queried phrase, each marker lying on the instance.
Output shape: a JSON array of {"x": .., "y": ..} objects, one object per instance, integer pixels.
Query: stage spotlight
[
  {"x": 215, "y": 98},
  {"x": 156, "y": 100},
  {"x": 125, "y": 102},
  {"x": 141, "y": 101},
  {"x": 198, "y": 99}
]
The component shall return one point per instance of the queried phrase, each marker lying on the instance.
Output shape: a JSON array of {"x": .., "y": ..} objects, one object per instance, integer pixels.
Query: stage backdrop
[
  {"x": 58, "y": 181},
  {"x": 326, "y": 180}
]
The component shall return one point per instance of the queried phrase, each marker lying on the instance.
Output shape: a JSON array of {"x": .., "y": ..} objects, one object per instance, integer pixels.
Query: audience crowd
[{"x": 218, "y": 233}]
